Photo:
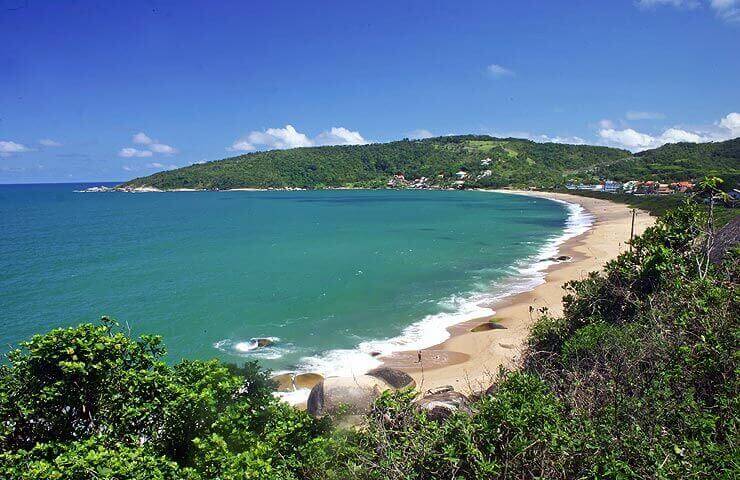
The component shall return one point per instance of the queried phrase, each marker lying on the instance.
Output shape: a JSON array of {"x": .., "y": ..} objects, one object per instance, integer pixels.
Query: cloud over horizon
[
  {"x": 8, "y": 148},
  {"x": 725, "y": 129},
  {"x": 149, "y": 147},
  {"x": 289, "y": 137}
]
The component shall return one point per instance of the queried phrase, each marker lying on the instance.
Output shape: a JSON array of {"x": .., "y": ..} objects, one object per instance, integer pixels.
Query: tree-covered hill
[
  {"x": 513, "y": 162},
  {"x": 679, "y": 161}
]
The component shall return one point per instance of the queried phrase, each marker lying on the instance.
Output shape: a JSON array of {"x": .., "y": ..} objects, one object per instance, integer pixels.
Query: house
[
  {"x": 485, "y": 162},
  {"x": 485, "y": 173},
  {"x": 630, "y": 186},
  {"x": 734, "y": 197},
  {"x": 611, "y": 186},
  {"x": 461, "y": 174},
  {"x": 664, "y": 189},
  {"x": 682, "y": 187}
]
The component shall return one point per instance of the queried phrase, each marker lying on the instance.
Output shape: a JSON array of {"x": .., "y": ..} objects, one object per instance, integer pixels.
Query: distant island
[{"x": 465, "y": 161}]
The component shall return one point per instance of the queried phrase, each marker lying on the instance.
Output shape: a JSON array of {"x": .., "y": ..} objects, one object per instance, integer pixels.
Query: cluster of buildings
[
  {"x": 635, "y": 187},
  {"x": 399, "y": 181}
]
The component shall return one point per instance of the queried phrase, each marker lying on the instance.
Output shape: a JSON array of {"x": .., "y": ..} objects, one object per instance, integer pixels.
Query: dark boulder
[
  {"x": 394, "y": 378},
  {"x": 440, "y": 406},
  {"x": 725, "y": 239}
]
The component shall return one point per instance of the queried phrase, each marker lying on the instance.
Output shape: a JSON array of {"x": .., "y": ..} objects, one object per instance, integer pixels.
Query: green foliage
[
  {"x": 513, "y": 162},
  {"x": 90, "y": 402},
  {"x": 679, "y": 161}
]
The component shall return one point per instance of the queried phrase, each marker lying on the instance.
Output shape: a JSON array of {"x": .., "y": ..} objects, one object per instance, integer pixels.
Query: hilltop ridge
[{"x": 484, "y": 160}]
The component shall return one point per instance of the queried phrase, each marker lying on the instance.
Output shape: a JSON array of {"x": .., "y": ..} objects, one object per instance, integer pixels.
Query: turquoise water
[{"x": 331, "y": 275}]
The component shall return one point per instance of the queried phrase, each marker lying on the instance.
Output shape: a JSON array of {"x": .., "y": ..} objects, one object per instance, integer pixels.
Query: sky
[{"x": 108, "y": 91}]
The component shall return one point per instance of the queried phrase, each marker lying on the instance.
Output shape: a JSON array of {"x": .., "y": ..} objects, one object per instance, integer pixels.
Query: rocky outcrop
[
  {"x": 345, "y": 395},
  {"x": 485, "y": 327},
  {"x": 354, "y": 395},
  {"x": 394, "y": 378},
  {"x": 725, "y": 239},
  {"x": 442, "y": 404},
  {"x": 263, "y": 342}
]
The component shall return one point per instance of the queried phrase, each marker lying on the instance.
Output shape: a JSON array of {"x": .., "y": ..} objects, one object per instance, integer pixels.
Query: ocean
[{"x": 329, "y": 276}]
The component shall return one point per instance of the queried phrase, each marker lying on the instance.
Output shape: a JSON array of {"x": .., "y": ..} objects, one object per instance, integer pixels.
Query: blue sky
[{"x": 113, "y": 90}]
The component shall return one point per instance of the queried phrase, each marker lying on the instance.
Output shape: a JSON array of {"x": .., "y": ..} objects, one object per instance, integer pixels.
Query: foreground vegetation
[
  {"x": 638, "y": 379},
  {"x": 513, "y": 162}
]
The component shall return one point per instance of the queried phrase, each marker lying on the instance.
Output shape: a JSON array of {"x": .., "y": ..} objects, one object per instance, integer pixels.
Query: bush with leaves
[{"x": 90, "y": 399}]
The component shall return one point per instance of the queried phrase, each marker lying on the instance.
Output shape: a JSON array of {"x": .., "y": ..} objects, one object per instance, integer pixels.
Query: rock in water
[
  {"x": 263, "y": 342},
  {"x": 345, "y": 395},
  {"x": 285, "y": 382},
  {"x": 307, "y": 380},
  {"x": 440, "y": 406},
  {"x": 394, "y": 378}
]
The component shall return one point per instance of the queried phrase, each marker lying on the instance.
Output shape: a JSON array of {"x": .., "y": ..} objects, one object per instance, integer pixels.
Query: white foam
[
  {"x": 432, "y": 329},
  {"x": 250, "y": 348},
  {"x": 295, "y": 397}
]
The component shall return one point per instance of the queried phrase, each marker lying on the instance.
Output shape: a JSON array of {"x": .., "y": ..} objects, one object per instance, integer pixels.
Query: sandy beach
[{"x": 469, "y": 360}]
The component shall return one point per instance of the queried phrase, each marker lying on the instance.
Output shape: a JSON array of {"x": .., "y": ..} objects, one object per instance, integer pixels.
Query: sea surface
[{"x": 329, "y": 276}]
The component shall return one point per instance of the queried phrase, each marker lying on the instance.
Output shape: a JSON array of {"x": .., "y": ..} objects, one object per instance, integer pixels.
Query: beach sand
[{"x": 470, "y": 360}]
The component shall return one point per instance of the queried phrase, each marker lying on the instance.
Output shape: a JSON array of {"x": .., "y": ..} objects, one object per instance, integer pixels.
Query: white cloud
[
  {"x": 606, "y": 123},
  {"x": 732, "y": 123},
  {"x": 627, "y": 138},
  {"x": 497, "y": 71},
  {"x": 670, "y": 3},
  {"x": 141, "y": 138},
  {"x": 129, "y": 152},
  {"x": 48, "y": 142},
  {"x": 420, "y": 134},
  {"x": 162, "y": 148},
  {"x": 8, "y": 148},
  {"x": 339, "y": 136},
  {"x": 289, "y": 137},
  {"x": 728, "y": 10},
  {"x": 161, "y": 165},
  {"x": 151, "y": 147},
  {"x": 558, "y": 139},
  {"x": 725, "y": 129},
  {"x": 632, "y": 115}
]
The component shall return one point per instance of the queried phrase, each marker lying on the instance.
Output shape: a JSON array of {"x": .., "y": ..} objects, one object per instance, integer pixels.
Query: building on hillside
[
  {"x": 734, "y": 197},
  {"x": 682, "y": 187},
  {"x": 484, "y": 174},
  {"x": 462, "y": 174},
  {"x": 630, "y": 186},
  {"x": 485, "y": 162},
  {"x": 611, "y": 186},
  {"x": 664, "y": 189}
]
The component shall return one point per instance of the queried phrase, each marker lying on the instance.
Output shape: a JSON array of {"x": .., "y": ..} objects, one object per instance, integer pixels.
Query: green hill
[
  {"x": 679, "y": 161},
  {"x": 514, "y": 162}
]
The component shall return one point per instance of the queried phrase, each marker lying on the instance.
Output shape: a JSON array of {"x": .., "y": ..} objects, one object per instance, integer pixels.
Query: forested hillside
[
  {"x": 513, "y": 162},
  {"x": 679, "y": 161}
]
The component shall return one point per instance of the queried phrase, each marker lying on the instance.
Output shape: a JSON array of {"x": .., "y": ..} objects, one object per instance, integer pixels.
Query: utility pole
[{"x": 632, "y": 230}]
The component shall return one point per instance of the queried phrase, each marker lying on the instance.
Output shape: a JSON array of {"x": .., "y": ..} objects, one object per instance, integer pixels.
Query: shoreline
[{"x": 469, "y": 361}]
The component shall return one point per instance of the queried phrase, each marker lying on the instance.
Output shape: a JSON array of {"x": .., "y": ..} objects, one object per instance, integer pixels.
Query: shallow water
[{"x": 331, "y": 275}]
